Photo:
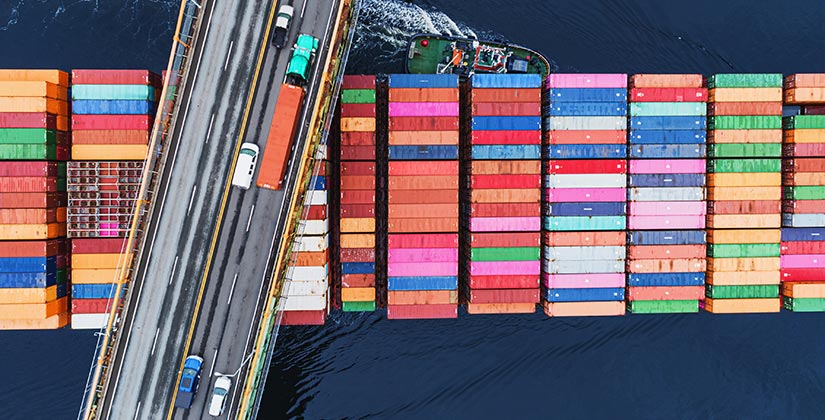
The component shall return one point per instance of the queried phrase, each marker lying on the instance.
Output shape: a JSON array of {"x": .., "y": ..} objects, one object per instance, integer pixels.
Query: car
[
  {"x": 189, "y": 379},
  {"x": 282, "y": 22},
  {"x": 219, "y": 393},
  {"x": 245, "y": 167},
  {"x": 303, "y": 53}
]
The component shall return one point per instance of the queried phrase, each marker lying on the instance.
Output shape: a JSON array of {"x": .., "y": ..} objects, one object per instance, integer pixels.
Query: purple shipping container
[
  {"x": 655, "y": 208},
  {"x": 422, "y": 269},
  {"x": 802, "y": 261},
  {"x": 423, "y": 109},
  {"x": 583, "y": 281},
  {"x": 667, "y": 166},
  {"x": 504, "y": 268},
  {"x": 575, "y": 80},
  {"x": 411, "y": 255},
  {"x": 665, "y": 222},
  {"x": 584, "y": 195},
  {"x": 505, "y": 224}
]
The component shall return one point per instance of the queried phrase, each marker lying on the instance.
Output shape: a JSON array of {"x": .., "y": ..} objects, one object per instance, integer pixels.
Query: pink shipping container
[
  {"x": 422, "y": 311},
  {"x": 414, "y": 168},
  {"x": 566, "y": 195},
  {"x": 667, "y": 166},
  {"x": 666, "y": 293},
  {"x": 506, "y": 137},
  {"x": 39, "y": 168},
  {"x": 111, "y": 122},
  {"x": 802, "y": 261},
  {"x": 575, "y": 80},
  {"x": 423, "y": 240},
  {"x": 411, "y": 255},
  {"x": 490, "y": 268},
  {"x": 423, "y": 109},
  {"x": 655, "y": 208},
  {"x": 28, "y": 184},
  {"x": 505, "y": 224},
  {"x": 583, "y": 281},
  {"x": 28, "y": 120},
  {"x": 115, "y": 77},
  {"x": 524, "y": 281},
  {"x": 665, "y": 222},
  {"x": 422, "y": 269}
]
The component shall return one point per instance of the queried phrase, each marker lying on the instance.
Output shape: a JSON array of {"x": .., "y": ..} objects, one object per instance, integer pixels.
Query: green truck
[{"x": 300, "y": 63}]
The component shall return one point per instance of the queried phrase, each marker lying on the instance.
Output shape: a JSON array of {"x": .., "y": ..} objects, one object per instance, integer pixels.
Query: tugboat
[{"x": 431, "y": 53}]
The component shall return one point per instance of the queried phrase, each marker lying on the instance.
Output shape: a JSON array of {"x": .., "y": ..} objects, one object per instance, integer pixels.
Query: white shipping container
[
  {"x": 586, "y": 123},
  {"x": 306, "y": 288},
  {"x": 89, "y": 321},
  {"x": 315, "y": 198},
  {"x": 666, "y": 194},
  {"x": 314, "y": 227},
  {"x": 586, "y": 181},
  {"x": 583, "y": 267},
  {"x": 310, "y": 243},
  {"x": 303, "y": 303},
  {"x": 308, "y": 273},
  {"x": 584, "y": 252},
  {"x": 804, "y": 220}
]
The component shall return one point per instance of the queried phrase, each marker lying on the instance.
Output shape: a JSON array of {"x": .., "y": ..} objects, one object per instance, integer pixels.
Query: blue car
[{"x": 189, "y": 381}]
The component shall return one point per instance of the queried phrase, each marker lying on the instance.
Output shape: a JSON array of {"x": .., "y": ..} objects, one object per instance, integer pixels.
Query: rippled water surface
[{"x": 643, "y": 367}]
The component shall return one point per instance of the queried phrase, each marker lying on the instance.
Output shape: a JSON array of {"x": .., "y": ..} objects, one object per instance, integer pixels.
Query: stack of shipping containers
[
  {"x": 422, "y": 239},
  {"x": 585, "y": 194},
  {"x": 744, "y": 192},
  {"x": 33, "y": 138},
  {"x": 357, "y": 177},
  {"x": 112, "y": 116},
  {"x": 803, "y": 233},
  {"x": 666, "y": 198},
  {"x": 501, "y": 198}
]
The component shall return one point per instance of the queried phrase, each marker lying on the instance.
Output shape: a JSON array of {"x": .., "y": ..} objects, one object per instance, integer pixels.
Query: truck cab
[
  {"x": 303, "y": 53},
  {"x": 189, "y": 379},
  {"x": 282, "y": 22}
]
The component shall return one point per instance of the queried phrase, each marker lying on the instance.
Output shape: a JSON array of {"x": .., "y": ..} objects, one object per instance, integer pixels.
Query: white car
[
  {"x": 219, "y": 393},
  {"x": 245, "y": 168}
]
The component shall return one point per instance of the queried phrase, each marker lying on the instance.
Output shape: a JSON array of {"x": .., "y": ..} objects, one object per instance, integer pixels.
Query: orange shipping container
[
  {"x": 28, "y": 295},
  {"x": 744, "y": 136},
  {"x": 745, "y": 236},
  {"x": 807, "y": 135},
  {"x": 505, "y": 196},
  {"x": 804, "y": 290},
  {"x": 505, "y": 167},
  {"x": 34, "y": 89},
  {"x": 311, "y": 259},
  {"x": 415, "y": 138},
  {"x": 422, "y": 196},
  {"x": 584, "y": 308},
  {"x": 109, "y": 151},
  {"x": 739, "y": 221},
  {"x": 506, "y": 95},
  {"x": 358, "y": 280},
  {"x": 666, "y": 80},
  {"x": 398, "y": 211},
  {"x": 93, "y": 276},
  {"x": 808, "y": 178},
  {"x": 681, "y": 265},
  {"x": 745, "y": 95},
  {"x": 743, "y": 278},
  {"x": 745, "y": 207},
  {"x": 29, "y": 216},
  {"x": 24, "y": 104},
  {"x": 742, "y": 306},
  {"x": 745, "y": 193},
  {"x": 422, "y": 182},
  {"x": 798, "y": 96},
  {"x": 603, "y": 238},
  {"x": 32, "y": 232},
  {"x": 744, "y": 264},
  {"x": 357, "y": 182},
  {"x": 33, "y": 310},
  {"x": 649, "y": 252},
  {"x": 358, "y": 294},
  {"x": 422, "y": 297},
  {"x": 357, "y": 225},
  {"x": 423, "y": 95},
  {"x": 430, "y": 225},
  {"x": 51, "y": 323},
  {"x": 110, "y": 137},
  {"x": 745, "y": 108},
  {"x": 354, "y": 240},
  {"x": 95, "y": 260},
  {"x": 274, "y": 160},
  {"x": 357, "y": 124},
  {"x": 805, "y": 80},
  {"x": 741, "y": 179},
  {"x": 500, "y": 308},
  {"x": 56, "y": 77}
]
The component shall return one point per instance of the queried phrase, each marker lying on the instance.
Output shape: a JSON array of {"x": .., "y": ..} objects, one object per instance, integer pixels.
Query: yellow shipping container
[
  {"x": 805, "y": 135},
  {"x": 740, "y": 221},
  {"x": 24, "y": 104},
  {"x": 32, "y": 232},
  {"x": 805, "y": 95},
  {"x": 109, "y": 151},
  {"x": 804, "y": 290},
  {"x": 745, "y": 236},
  {"x": 357, "y": 294},
  {"x": 51, "y": 323},
  {"x": 357, "y": 240},
  {"x": 109, "y": 261},
  {"x": 93, "y": 276},
  {"x": 744, "y": 264},
  {"x": 358, "y": 124},
  {"x": 743, "y": 278},
  {"x": 423, "y": 137},
  {"x": 742, "y": 306},
  {"x": 13, "y": 311},
  {"x": 749, "y": 179},
  {"x": 34, "y": 89},
  {"x": 747, "y": 136},
  {"x": 28, "y": 295},
  {"x": 56, "y": 77},
  {"x": 745, "y": 95},
  {"x": 357, "y": 225},
  {"x": 771, "y": 193}
]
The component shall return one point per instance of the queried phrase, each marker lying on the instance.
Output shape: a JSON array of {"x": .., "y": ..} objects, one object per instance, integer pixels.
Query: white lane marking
[
  {"x": 209, "y": 131},
  {"x": 174, "y": 268},
  {"x": 249, "y": 222},
  {"x": 191, "y": 199},
  {"x": 232, "y": 290},
  {"x": 229, "y": 54},
  {"x": 155, "y": 342},
  {"x": 214, "y": 361},
  {"x": 303, "y": 8},
  {"x": 137, "y": 411}
]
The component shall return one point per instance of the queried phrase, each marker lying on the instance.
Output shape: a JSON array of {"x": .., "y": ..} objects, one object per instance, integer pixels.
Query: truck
[
  {"x": 189, "y": 379},
  {"x": 303, "y": 53},
  {"x": 279, "y": 34}
]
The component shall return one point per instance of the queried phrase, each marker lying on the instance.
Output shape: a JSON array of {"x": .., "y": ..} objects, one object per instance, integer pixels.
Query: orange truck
[{"x": 279, "y": 140}]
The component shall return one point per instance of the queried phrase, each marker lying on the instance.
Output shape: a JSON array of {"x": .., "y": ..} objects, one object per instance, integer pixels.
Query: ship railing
[
  {"x": 320, "y": 124},
  {"x": 130, "y": 257}
]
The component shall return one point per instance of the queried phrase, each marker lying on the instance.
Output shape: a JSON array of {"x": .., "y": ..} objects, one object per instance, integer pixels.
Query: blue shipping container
[
  {"x": 586, "y": 209},
  {"x": 93, "y": 291},
  {"x": 665, "y": 279},
  {"x": 28, "y": 264},
  {"x": 667, "y": 136},
  {"x": 516, "y": 151},
  {"x": 668, "y": 151},
  {"x": 358, "y": 268},
  {"x": 668, "y": 123},
  {"x": 113, "y": 107},
  {"x": 423, "y": 81},
  {"x": 318, "y": 183},
  {"x": 666, "y": 237},
  {"x": 585, "y": 151},
  {"x": 515, "y": 81},
  {"x": 584, "y": 295},
  {"x": 506, "y": 123},
  {"x": 583, "y": 109},
  {"x": 803, "y": 234},
  {"x": 587, "y": 95},
  {"x": 423, "y": 152},
  {"x": 27, "y": 280},
  {"x": 667, "y": 180},
  {"x": 423, "y": 283}
]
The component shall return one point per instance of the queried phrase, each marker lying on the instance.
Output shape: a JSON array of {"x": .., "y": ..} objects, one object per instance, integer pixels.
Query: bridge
[{"x": 204, "y": 263}]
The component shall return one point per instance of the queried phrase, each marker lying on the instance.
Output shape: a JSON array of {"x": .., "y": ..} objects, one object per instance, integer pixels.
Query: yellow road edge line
[
  {"x": 279, "y": 261},
  {"x": 227, "y": 187},
  {"x": 87, "y": 414}
]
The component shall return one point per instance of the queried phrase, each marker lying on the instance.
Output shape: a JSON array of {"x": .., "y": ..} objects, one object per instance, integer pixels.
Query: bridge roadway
[{"x": 177, "y": 282}]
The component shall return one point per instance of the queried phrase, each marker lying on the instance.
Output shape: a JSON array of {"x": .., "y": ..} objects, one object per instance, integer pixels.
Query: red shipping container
[
  {"x": 357, "y": 254},
  {"x": 802, "y": 274},
  {"x": 357, "y": 182},
  {"x": 584, "y": 238},
  {"x": 647, "y": 252},
  {"x": 505, "y": 210},
  {"x": 357, "y": 168},
  {"x": 357, "y": 152},
  {"x": 110, "y": 136},
  {"x": 504, "y": 95},
  {"x": 745, "y": 207},
  {"x": 509, "y": 240},
  {"x": 423, "y": 167},
  {"x": 358, "y": 280},
  {"x": 115, "y": 77},
  {"x": 504, "y": 282},
  {"x": 804, "y": 206},
  {"x": 358, "y": 82},
  {"x": 304, "y": 317},
  {"x": 29, "y": 216},
  {"x": 111, "y": 122},
  {"x": 98, "y": 245},
  {"x": 804, "y": 149},
  {"x": 358, "y": 197},
  {"x": 422, "y": 311},
  {"x": 422, "y": 196},
  {"x": 23, "y": 168},
  {"x": 505, "y": 295},
  {"x": 422, "y": 240},
  {"x": 803, "y": 247},
  {"x": 595, "y": 166},
  {"x": 813, "y": 110},
  {"x": 423, "y": 124},
  {"x": 358, "y": 110},
  {"x": 90, "y": 306},
  {"x": 357, "y": 211},
  {"x": 506, "y": 137},
  {"x": 317, "y": 212},
  {"x": 666, "y": 293},
  {"x": 32, "y": 248},
  {"x": 745, "y": 108},
  {"x": 586, "y": 137},
  {"x": 505, "y": 181},
  {"x": 668, "y": 95},
  {"x": 28, "y": 184},
  {"x": 507, "y": 109},
  {"x": 28, "y": 120},
  {"x": 32, "y": 200},
  {"x": 358, "y": 138}
]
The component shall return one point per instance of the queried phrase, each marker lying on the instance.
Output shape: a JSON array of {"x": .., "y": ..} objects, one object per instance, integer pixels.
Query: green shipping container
[
  {"x": 61, "y": 276},
  {"x": 61, "y": 169},
  {"x": 505, "y": 254},
  {"x": 648, "y": 109},
  {"x": 804, "y": 304},
  {"x": 357, "y": 96},
  {"x": 114, "y": 92},
  {"x": 743, "y": 250},
  {"x": 729, "y": 150},
  {"x": 745, "y": 80},
  {"x": 746, "y": 122},
  {"x": 804, "y": 121},
  {"x": 61, "y": 184},
  {"x": 804, "y": 193},
  {"x": 744, "y": 165},
  {"x": 663, "y": 306},
  {"x": 358, "y": 306},
  {"x": 742, "y": 292},
  {"x": 27, "y": 136},
  {"x": 585, "y": 223},
  {"x": 28, "y": 152}
]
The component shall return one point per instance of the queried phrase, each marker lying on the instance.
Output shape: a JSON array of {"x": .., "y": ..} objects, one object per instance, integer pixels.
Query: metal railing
[{"x": 108, "y": 336}]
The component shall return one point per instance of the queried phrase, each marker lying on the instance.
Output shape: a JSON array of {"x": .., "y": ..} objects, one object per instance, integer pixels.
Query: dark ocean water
[{"x": 641, "y": 367}]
